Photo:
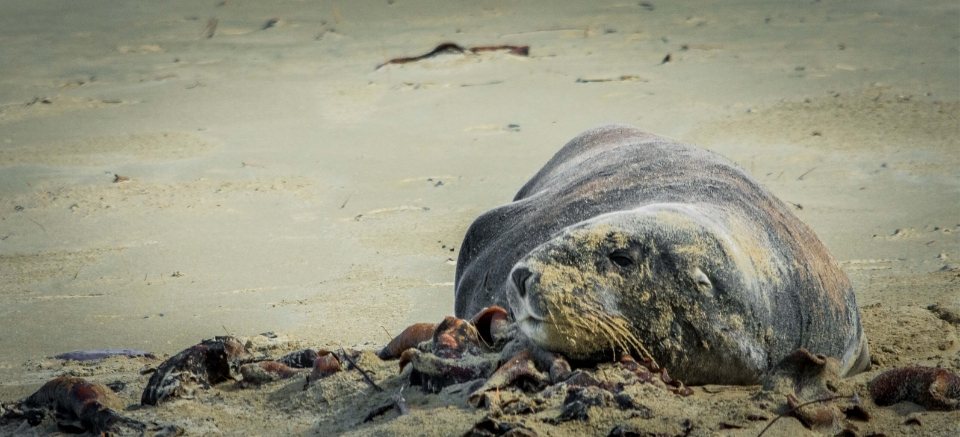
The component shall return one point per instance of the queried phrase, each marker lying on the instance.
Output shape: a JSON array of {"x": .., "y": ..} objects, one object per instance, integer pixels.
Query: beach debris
[
  {"x": 99, "y": 354},
  {"x": 487, "y": 356},
  {"x": 814, "y": 393},
  {"x": 820, "y": 414},
  {"x": 117, "y": 386},
  {"x": 946, "y": 313},
  {"x": 353, "y": 364},
  {"x": 493, "y": 325},
  {"x": 77, "y": 405},
  {"x": 303, "y": 358},
  {"x": 432, "y": 372},
  {"x": 324, "y": 365},
  {"x": 457, "y": 351},
  {"x": 201, "y": 365},
  {"x": 398, "y": 403},
  {"x": 449, "y": 47},
  {"x": 296, "y": 363},
  {"x": 621, "y": 78},
  {"x": 117, "y": 178},
  {"x": 409, "y": 338},
  {"x": 262, "y": 372},
  {"x": 273, "y": 22},
  {"x": 931, "y": 387},
  {"x": 490, "y": 426},
  {"x": 577, "y": 404},
  {"x": 683, "y": 428},
  {"x": 519, "y": 371},
  {"x": 210, "y": 29}
]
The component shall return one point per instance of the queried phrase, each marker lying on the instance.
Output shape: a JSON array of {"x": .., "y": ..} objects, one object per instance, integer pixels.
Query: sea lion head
[{"x": 670, "y": 279}]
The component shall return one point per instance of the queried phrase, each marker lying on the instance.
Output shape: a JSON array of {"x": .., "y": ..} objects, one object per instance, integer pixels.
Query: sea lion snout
[
  {"x": 520, "y": 275},
  {"x": 524, "y": 303}
]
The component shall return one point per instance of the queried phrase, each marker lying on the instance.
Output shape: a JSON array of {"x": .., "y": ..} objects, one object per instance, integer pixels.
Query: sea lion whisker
[{"x": 623, "y": 326}]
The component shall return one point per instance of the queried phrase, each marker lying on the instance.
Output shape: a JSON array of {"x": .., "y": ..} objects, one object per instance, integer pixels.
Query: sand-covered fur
[{"x": 625, "y": 239}]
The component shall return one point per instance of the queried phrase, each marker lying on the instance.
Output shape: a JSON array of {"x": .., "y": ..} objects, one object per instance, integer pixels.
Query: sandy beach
[{"x": 174, "y": 171}]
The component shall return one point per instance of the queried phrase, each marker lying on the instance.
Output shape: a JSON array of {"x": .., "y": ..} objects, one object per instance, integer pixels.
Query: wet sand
[{"x": 272, "y": 178}]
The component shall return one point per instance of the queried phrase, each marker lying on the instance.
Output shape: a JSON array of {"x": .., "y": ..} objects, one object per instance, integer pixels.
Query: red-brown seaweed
[
  {"x": 519, "y": 371},
  {"x": 203, "y": 365},
  {"x": 292, "y": 364},
  {"x": 933, "y": 388},
  {"x": 325, "y": 365},
  {"x": 646, "y": 370},
  {"x": 409, "y": 338},
  {"x": 263, "y": 372},
  {"x": 492, "y": 324},
  {"x": 77, "y": 404},
  {"x": 487, "y": 347},
  {"x": 455, "y": 337},
  {"x": 455, "y": 353}
]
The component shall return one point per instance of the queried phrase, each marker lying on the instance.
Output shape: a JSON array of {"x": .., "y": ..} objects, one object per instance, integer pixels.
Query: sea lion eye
[{"x": 621, "y": 258}]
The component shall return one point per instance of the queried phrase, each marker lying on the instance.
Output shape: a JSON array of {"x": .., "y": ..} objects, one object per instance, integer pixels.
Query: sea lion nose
[{"x": 519, "y": 277}]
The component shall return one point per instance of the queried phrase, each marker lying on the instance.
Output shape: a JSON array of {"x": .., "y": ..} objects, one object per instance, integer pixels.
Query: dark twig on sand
[
  {"x": 449, "y": 47},
  {"x": 366, "y": 377},
  {"x": 794, "y": 409},
  {"x": 800, "y": 178}
]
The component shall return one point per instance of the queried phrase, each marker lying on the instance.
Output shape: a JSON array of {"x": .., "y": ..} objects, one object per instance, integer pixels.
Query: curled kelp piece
[
  {"x": 201, "y": 365},
  {"x": 455, "y": 337},
  {"x": 325, "y": 365},
  {"x": 519, "y": 371},
  {"x": 77, "y": 405},
  {"x": 933, "y": 388},
  {"x": 263, "y": 372},
  {"x": 292, "y": 364},
  {"x": 409, "y": 338},
  {"x": 99, "y": 354},
  {"x": 492, "y": 324}
]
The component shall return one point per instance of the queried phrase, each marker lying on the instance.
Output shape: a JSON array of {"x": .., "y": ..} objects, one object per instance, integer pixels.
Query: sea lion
[{"x": 627, "y": 241}]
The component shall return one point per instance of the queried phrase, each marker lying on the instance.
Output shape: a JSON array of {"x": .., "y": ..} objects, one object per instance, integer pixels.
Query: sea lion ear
[{"x": 701, "y": 278}]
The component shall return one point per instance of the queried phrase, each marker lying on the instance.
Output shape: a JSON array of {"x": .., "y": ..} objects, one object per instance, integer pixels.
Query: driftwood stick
[{"x": 366, "y": 377}]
